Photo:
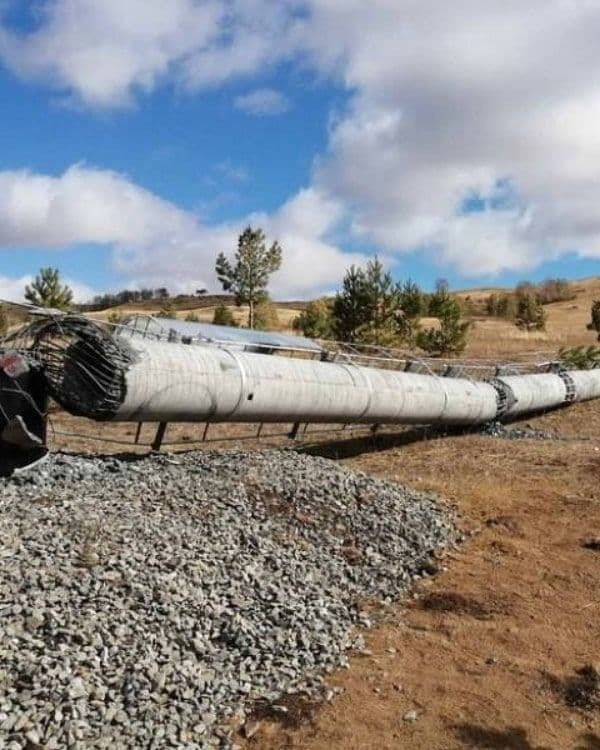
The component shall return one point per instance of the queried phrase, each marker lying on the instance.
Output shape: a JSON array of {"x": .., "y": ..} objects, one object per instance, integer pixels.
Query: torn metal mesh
[{"x": 84, "y": 366}]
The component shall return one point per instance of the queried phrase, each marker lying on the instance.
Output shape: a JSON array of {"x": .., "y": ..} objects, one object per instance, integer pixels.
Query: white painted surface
[
  {"x": 180, "y": 383},
  {"x": 535, "y": 392}
]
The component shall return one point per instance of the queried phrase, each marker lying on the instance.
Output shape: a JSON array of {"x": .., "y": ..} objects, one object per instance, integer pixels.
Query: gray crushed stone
[
  {"x": 499, "y": 430},
  {"x": 149, "y": 603}
]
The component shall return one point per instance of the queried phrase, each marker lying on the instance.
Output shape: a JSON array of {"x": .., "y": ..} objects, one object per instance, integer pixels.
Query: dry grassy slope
[
  {"x": 204, "y": 313},
  {"x": 566, "y": 324}
]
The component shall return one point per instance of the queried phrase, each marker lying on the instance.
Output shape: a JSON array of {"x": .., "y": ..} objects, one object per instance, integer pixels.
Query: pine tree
[
  {"x": 580, "y": 357},
  {"x": 501, "y": 305},
  {"x": 507, "y": 307},
  {"x": 383, "y": 305},
  {"x": 351, "y": 305},
  {"x": 316, "y": 320},
  {"x": 530, "y": 313},
  {"x": 451, "y": 336},
  {"x": 223, "y": 316},
  {"x": 594, "y": 324},
  {"x": 439, "y": 298},
  {"x": 265, "y": 316},
  {"x": 248, "y": 276},
  {"x": 46, "y": 290},
  {"x": 367, "y": 308},
  {"x": 372, "y": 309},
  {"x": 411, "y": 302}
]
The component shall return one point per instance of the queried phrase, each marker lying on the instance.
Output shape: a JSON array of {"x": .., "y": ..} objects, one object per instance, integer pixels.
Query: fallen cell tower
[{"x": 140, "y": 374}]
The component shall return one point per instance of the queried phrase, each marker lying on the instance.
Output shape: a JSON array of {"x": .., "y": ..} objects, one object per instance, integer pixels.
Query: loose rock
[{"x": 499, "y": 430}]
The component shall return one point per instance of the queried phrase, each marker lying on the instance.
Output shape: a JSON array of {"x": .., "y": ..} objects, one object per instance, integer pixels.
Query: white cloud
[
  {"x": 81, "y": 292},
  {"x": 233, "y": 172},
  {"x": 83, "y": 205},
  {"x": 153, "y": 241},
  {"x": 446, "y": 101},
  {"x": 450, "y": 100},
  {"x": 12, "y": 289},
  {"x": 263, "y": 103},
  {"x": 103, "y": 52},
  {"x": 312, "y": 264}
]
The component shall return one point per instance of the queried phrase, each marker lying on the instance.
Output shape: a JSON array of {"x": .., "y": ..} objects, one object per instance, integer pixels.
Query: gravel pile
[
  {"x": 499, "y": 430},
  {"x": 149, "y": 603}
]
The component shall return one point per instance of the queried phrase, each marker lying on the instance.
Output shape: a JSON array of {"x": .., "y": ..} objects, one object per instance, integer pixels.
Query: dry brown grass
[
  {"x": 489, "y": 337},
  {"x": 285, "y": 315},
  {"x": 565, "y": 326}
]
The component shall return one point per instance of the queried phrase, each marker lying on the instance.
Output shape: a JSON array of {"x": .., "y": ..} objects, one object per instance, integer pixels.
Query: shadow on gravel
[
  {"x": 372, "y": 443},
  {"x": 126, "y": 457},
  {"x": 356, "y": 446},
  {"x": 513, "y": 738}
]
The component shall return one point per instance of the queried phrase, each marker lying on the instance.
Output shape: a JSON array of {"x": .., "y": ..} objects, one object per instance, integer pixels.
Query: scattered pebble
[{"x": 251, "y": 728}]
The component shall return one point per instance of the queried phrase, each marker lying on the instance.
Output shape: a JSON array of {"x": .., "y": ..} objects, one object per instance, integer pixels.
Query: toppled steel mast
[
  {"x": 127, "y": 376},
  {"x": 133, "y": 378}
]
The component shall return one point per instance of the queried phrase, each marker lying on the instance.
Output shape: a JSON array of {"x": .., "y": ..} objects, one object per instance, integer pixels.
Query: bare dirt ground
[{"x": 487, "y": 655}]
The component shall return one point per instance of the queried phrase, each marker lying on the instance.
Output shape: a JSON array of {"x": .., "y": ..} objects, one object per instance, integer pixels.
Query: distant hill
[{"x": 566, "y": 325}]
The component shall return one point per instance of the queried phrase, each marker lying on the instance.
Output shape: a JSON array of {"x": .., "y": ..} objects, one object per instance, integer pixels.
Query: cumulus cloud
[
  {"x": 303, "y": 223},
  {"x": 446, "y": 101},
  {"x": 12, "y": 289},
  {"x": 311, "y": 265},
  {"x": 101, "y": 53},
  {"x": 153, "y": 241},
  {"x": 231, "y": 171},
  {"x": 263, "y": 103},
  {"x": 459, "y": 98},
  {"x": 83, "y": 205}
]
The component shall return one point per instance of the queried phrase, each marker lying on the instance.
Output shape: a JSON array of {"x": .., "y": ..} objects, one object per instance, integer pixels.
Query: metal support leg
[
  {"x": 160, "y": 433},
  {"x": 205, "y": 433},
  {"x": 138, "y": 432},
  {"x": 259, "y": 431},
  {"x": 294, "y": 433}
]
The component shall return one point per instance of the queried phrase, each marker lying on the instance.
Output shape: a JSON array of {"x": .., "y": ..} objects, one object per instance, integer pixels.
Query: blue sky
[{"x": 137, "y": 138}]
